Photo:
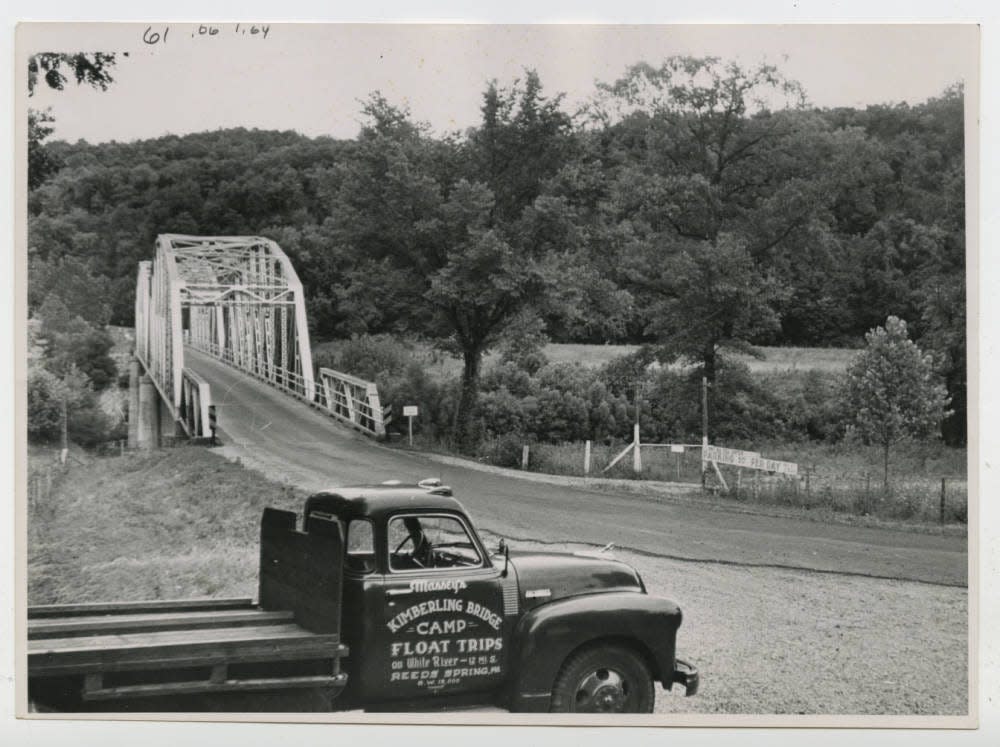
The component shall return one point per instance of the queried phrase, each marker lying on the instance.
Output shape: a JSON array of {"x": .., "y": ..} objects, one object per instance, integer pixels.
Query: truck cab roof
[{"x": 378, "y": 501}]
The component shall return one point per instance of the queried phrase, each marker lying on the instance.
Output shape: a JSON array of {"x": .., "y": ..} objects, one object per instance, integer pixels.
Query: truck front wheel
[{"x": 603, "y": 679}]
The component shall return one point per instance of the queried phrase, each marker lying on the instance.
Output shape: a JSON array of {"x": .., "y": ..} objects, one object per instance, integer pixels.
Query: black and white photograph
[{"x": 498, "y": 374}]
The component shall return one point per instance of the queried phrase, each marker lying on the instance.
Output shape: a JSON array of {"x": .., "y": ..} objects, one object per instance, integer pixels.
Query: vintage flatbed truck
[{"x": 385, "y": 599}]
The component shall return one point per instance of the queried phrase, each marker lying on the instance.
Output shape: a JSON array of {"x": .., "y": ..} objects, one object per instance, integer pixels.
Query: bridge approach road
[{"x": 286, "y": 439}]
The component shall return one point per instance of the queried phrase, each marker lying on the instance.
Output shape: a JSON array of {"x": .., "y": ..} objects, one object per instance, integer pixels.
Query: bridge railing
[
  {"x": 351, "y": 400},
  {"x": 196, "y": 405},
  {"x": 347, "y": 398}
]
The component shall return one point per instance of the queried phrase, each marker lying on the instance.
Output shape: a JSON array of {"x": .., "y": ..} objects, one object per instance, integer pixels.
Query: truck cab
[{"x": 429, "y": 612}]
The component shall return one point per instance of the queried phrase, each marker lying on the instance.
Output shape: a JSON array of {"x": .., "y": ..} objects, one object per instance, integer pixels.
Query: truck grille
[{"x": 509, "y": 586}]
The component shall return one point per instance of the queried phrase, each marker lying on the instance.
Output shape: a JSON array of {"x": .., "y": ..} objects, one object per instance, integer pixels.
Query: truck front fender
[{"x": 547, "y": 635}]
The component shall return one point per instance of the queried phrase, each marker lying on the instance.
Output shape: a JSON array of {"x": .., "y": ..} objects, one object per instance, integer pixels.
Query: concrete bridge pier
[
  {"x": 148, "y": 422},
  {"x": 133, "y": 404},
  {"x": 169, "y": 428}
]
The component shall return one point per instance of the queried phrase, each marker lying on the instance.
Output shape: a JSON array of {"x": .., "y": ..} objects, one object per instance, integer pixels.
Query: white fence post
[
  {"x": 586, "y": 458},
  {"x": 637, "y": 453}
]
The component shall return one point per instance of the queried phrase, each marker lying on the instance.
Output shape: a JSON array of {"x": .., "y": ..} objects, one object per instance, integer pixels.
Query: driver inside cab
[{"x": 421, "y": 553}]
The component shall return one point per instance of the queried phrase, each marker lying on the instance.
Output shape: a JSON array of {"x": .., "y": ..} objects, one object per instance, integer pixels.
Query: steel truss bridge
[{"x": 238, "y": 299}]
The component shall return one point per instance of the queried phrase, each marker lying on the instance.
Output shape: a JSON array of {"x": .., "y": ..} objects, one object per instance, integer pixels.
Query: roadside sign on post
[
  {"x": 677, "y": 450},
  {"x": 750, "y": 459},
  {"x": 410, "y": 411}
]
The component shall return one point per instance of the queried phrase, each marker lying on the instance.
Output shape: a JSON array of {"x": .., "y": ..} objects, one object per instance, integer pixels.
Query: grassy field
[
  {"x": 832, "y": 360},
  {"x": 775, "y": 360},
  {"x": 174, "y": 523}
]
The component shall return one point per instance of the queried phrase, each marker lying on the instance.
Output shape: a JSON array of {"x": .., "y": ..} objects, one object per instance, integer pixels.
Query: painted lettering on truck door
[{"x": 442, "y": 628}]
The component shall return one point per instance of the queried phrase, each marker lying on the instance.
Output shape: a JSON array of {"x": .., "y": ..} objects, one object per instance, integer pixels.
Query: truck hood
[{"x": 546, "y": 577}]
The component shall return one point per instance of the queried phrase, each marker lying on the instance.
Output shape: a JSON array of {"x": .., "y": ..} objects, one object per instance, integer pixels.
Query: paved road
[{"x": 288, "y": 440}]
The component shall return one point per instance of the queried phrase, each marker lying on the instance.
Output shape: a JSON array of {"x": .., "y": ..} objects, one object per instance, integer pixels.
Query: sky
[{"x": 181, "y": 78}]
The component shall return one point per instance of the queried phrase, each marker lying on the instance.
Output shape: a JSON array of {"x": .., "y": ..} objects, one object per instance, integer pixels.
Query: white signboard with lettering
[
  {"x": 748, "y": 459},
  {"x": 410, "y": 411}
]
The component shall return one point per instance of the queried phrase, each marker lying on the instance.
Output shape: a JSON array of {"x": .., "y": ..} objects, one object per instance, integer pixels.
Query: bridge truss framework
[
  {"x": 235, "y": 297},
  {"x": 238, "y": 299}
]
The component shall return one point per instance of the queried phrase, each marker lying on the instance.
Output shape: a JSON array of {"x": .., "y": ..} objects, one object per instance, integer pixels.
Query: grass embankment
[{"x": 175, "y": 523}]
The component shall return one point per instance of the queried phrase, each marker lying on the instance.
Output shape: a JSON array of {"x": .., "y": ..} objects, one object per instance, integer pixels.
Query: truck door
[{"x": 441, "y": 629}]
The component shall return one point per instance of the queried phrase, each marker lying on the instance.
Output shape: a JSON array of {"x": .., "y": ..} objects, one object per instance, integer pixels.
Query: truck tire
[{"x": 604, "y": 678}]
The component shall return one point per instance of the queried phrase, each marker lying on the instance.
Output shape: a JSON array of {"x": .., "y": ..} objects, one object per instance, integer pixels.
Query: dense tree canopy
[{"x": 697, "y": 205}]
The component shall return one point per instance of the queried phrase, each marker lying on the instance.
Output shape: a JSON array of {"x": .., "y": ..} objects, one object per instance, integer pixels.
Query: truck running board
[{"x": 93, "y": 688}]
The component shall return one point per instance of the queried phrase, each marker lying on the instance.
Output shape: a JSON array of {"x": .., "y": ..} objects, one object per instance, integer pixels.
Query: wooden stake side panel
[
  {"x": 177, "y": 648},
  {"x": 302, "y": 571},
  {"x": 91, "y": 625},
  {"x": 124, "y": 608}
]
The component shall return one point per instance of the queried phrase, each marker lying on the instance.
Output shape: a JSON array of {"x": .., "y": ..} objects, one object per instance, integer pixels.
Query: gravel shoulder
[{"x": 772, "y": 641}]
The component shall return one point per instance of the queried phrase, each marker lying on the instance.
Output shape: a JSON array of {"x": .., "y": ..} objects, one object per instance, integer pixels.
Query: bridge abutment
[
  {"x": 151, "y": 423},
  {"x": 133, "y": 404},
  {"x": 148, "y": 422},
  {"x": 168, "y": 426}
]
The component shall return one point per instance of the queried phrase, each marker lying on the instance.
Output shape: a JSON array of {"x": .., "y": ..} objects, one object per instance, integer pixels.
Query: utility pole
[
  {"x": 704, "y": 429},
  {"x": 637, "y": 448},
  {"x": 704, "y": 411},
  {"x": 64, "y": 452}
]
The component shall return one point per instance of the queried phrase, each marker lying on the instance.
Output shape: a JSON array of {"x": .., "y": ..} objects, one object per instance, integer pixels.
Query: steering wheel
[{"x": 422, "y": 548}]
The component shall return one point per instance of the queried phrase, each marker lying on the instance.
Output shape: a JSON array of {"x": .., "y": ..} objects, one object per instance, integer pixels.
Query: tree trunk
[{"x": 464, "y": 432}]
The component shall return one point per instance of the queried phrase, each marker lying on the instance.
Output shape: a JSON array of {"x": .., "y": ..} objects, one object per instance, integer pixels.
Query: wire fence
[{"x": 929, "y": 498}]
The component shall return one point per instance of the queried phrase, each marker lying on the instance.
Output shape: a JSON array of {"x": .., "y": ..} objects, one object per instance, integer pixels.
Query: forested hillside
[{"x": 674, "y": 210}]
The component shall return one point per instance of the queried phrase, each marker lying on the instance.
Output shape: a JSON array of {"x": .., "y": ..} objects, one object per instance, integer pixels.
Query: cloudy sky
[{"x": 309, "y": 78}]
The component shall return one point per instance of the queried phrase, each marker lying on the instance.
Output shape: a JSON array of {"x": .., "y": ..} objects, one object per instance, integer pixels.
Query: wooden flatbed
[
  {"x": 179, "y": 647},
  {"x": 289, "y": 639}
]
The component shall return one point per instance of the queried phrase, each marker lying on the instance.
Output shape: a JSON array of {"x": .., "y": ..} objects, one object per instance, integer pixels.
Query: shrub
[
  {"x": 508, "y": 375},
  {"x": 561, "y": 416},
  {"x": 503, "y": 451},
  {"x": 86, "y": 423},
  {"x": 808, "y": 404},
  {"x": 500, "y": 412},
  {"x": 414, "y": 386},
  {"x": 369, "y": 356},
  {"x": 72, "y": 343},
  {"x": 45, "y": 397}
]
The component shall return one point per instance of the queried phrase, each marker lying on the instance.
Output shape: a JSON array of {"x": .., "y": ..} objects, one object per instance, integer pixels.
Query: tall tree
[
  {"x": 893, "y": 391},
  {"x": 478, "y": 293},
  {"x": 704, "y": 301},
  {"x": 523, "y": 139}
]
